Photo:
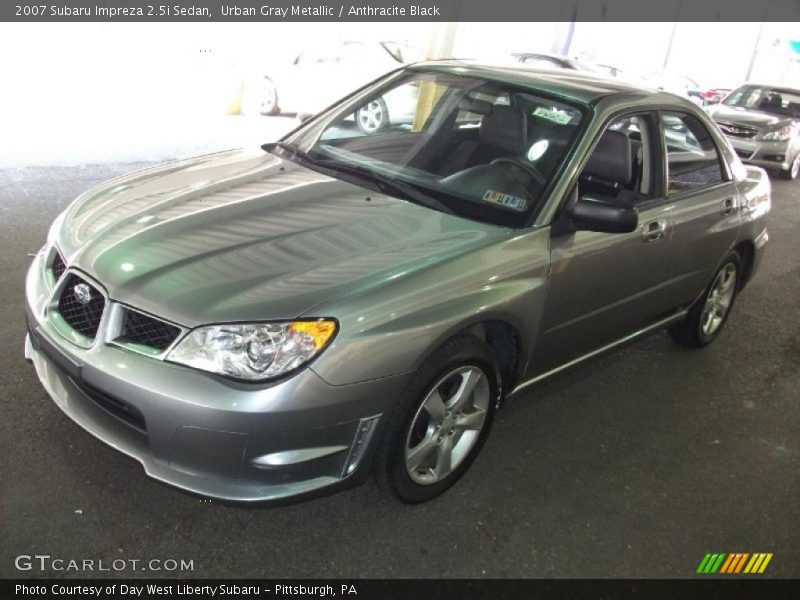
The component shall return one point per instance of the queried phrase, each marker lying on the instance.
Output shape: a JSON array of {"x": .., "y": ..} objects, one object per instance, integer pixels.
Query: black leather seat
[
  {"x": 503, "y": 134},
  {"x": 611, "y": 161},
  {"x": 612, "y": 169}
]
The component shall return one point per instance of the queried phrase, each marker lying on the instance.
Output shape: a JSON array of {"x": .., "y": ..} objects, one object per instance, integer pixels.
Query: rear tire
[
  {"x": 709, "y": 314},
  {"x": 261, "y": 98},
  {"x": 435, "y": 431}
]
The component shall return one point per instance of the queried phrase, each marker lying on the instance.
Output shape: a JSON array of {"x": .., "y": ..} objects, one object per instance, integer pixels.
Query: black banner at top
[{"x": 399, "y": 10}]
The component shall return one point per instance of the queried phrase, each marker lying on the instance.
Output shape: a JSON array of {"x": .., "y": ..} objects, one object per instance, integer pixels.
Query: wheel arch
[
  {"x": 747, "y": 252},
  {"x": 500, "y": 334}
]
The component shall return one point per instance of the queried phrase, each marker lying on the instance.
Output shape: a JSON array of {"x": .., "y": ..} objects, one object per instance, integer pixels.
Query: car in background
[
  {"x": 714, "y": 95},
  {"x": 541, "y": 60},
  {"x": 271, "y": 323},
  {"x": 762, "y": 123},
  {"x": 318, "y": 76},
  {"x": 678, "y": 84},
  {"x": 622, "y": 74}
]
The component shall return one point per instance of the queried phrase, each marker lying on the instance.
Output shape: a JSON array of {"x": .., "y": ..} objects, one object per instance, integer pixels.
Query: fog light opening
[{"x": 366, "y": 427}]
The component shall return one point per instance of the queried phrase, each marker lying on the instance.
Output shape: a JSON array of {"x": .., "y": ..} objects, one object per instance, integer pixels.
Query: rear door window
[{"x": 693, "y": 159}]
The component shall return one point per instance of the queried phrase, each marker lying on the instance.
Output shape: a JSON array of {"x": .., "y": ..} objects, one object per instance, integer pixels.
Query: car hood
[
  {"x": 752, "y": 118},
  {"x": 248, "y": 236}
]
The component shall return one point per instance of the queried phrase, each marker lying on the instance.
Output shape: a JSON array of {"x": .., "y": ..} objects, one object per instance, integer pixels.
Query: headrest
[
  {"x": 505, "y": 128},
  {"x": 611, "y": 159},
  {"x": 474, "y": 105}
]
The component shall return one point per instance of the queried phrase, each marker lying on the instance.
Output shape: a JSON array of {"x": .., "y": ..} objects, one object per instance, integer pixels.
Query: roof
[
  {"x": 579, "y": 86},
  {"x": 774, "y": 86}
]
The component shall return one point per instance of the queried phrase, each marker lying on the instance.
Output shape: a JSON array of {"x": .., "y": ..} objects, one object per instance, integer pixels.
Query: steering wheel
[{"x": 525, "y": 167}]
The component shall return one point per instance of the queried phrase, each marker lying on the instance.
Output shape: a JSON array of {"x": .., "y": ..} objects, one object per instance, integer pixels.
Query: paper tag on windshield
[
  {"x": 506, "y": 200},
  {"x": 556, "y": 116}
]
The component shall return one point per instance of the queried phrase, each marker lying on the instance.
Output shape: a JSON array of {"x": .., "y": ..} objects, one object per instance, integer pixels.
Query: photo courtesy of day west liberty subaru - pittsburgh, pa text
[{"x": 231, "y": 10}]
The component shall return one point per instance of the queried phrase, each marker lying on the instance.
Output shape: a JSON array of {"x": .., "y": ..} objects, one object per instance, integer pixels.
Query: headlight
[
  {"x": 255, "y": 351},
  {"x": 779, "y": 135}
]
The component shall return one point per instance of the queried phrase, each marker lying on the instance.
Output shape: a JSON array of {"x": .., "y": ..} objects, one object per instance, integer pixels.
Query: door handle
[
  {"x": 654, "y": 230},
  {"x": 727, "y": 207}
]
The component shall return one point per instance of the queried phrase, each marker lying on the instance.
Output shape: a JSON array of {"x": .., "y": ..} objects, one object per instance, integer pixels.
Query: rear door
[{"x": 703, "y": 203}]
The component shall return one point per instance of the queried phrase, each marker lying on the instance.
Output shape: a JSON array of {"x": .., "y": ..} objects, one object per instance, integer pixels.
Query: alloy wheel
[
  {"x": 719, "y": 299},
  {"x": 371, "y": 116},
  {"x": 447, "y": 425}
]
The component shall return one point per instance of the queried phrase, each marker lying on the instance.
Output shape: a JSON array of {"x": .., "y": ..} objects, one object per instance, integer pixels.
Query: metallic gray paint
[
  {"x": 756, "y": 151},
  {"x": 247, "y": 236}
]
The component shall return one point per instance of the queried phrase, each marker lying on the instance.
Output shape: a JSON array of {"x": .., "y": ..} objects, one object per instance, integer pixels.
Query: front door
[{"x": 604, "y": 286}]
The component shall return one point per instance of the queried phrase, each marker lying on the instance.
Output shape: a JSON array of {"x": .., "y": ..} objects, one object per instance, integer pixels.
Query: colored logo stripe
[
  {"x": 735, "y": 562},
  {"x": 710, "y": 563}
]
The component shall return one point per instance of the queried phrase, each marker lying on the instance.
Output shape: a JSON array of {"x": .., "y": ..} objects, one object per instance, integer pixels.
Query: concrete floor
[{"x": 634, "y": 465}]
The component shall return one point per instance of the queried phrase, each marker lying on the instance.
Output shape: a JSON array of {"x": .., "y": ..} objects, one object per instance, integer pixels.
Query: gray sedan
[
  {"x": 763, "y": 125},
  {"x": 271, "y": 324}
]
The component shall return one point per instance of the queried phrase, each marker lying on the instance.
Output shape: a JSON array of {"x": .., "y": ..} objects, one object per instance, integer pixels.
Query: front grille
[
  {"x": 82, "y": 307},
  {"x": 120, "y": 409},
  {"x": 743, "y": 153},
  {"x": 141, "y": 329},
  {"x": 738, "y": 131},
  {"x": 58, "y": 266}
]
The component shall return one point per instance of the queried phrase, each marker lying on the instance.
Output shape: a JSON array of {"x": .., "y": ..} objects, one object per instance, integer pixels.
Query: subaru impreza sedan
[{"x": 277, "y": 323}]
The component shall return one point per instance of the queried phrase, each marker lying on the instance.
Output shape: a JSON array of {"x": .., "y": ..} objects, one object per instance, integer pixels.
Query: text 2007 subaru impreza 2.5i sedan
[{"x": 261, "y": 325}]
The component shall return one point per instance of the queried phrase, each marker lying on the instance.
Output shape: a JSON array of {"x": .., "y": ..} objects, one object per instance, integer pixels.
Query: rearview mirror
[{"x": 604, "y": 214}]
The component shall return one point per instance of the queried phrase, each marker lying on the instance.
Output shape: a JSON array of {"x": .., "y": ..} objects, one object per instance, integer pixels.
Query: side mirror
[{"x": 604, "y": 214}]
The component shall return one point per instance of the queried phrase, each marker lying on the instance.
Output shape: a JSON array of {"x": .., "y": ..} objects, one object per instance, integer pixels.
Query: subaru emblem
[{"x": 83, "y": 293}]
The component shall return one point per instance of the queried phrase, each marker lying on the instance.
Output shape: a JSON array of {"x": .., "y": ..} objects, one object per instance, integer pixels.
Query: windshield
[
  {"x": 476, "y": 148},
  {"x": 776, "y": 101}
]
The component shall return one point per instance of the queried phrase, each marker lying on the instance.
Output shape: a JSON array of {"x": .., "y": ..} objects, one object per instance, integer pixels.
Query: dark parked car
[
  {"x": 257, "y": 325},
  {"x": 763, "y": 124}
]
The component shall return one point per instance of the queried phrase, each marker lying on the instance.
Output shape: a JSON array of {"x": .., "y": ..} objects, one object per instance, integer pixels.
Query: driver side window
[{"x": 621, "y": 164}]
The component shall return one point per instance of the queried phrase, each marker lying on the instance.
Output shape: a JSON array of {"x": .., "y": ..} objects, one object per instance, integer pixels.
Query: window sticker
[
  {"x": 552, "y": 114},
  {"x": 506, "y": 200}
]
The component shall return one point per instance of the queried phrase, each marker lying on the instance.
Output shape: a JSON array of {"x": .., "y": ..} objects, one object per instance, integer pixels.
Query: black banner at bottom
[{"x": 388, "y": 589}]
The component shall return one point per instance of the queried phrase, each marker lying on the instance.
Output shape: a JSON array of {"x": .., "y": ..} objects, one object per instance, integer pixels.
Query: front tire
[
  {"x": 709, "y": 314},
  {"x": 437, "y": 428},
  {"x": 794, "y": 170}
]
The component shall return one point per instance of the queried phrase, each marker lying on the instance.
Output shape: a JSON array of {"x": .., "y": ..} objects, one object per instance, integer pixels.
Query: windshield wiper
[{"x": 384, "y": 183}]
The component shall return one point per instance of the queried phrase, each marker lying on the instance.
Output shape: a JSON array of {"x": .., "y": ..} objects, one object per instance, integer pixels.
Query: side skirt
[{"x": 661, "y": 324}]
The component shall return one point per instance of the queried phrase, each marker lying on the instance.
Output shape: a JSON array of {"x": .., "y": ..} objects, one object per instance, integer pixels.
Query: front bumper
[
  {"x": 198, "y": 431},
  {"x": 771, "y": 155}
]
